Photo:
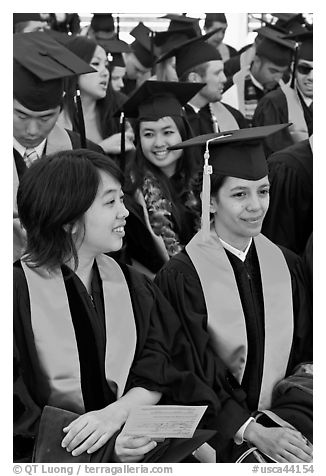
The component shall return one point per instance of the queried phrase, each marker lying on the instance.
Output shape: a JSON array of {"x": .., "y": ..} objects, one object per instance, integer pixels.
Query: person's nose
[
  {"x": 32, "y": 128},
  {"x": 254, "y": 202},
  {"x": 123, "y": 212},
  {"x": 159, "y": 140}
]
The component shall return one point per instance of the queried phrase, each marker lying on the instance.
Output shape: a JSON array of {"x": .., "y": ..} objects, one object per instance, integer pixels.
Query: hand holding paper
[{"x": 163, "y": 421}]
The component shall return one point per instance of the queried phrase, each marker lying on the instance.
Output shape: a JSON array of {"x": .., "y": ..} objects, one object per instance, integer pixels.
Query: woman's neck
[
  {"x": 88, "y": 104},
  {"x": 84, "y": 271}
]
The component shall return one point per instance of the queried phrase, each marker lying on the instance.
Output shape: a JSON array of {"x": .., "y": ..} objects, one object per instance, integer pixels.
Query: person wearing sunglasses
[{"x": 292, "y": 102}]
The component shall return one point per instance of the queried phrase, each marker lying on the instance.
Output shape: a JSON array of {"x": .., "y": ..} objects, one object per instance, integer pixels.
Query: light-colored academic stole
[
  {"x": 226, "y": 321},
  {"x": 54, "y": 334},
  {"x": 222, "y": 118},
  {"x": 246, "y": 107},
  {"x": 298, "y": 129}
]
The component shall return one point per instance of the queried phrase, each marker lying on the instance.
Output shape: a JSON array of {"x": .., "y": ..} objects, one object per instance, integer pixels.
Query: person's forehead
[
  {"x": 118, "y": 71},
  {"x": 214, "y": 66},
  {"x": 99, "y": 52},
  {"x": 305, "y": 62},
  {"x": 232, "y": 182},
  {"x": 162, "y": 122},
  {"x": 218, "y": 24}
]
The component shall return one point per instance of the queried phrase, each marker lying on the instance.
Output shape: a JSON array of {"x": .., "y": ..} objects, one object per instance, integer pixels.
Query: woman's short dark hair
[{"x": 53, "y": 195}]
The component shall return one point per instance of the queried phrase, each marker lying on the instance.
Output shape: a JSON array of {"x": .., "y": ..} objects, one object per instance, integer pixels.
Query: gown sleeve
[
  {"x": 272, "y": 109},
  {"x": 288, "y": 221}
]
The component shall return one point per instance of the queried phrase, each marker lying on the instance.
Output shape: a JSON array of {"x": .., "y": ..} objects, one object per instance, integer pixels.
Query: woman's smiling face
[{"x": 155, "y": 138}]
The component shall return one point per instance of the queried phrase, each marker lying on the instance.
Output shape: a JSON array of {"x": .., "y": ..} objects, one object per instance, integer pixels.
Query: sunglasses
[{"x": 304, "y": 69}]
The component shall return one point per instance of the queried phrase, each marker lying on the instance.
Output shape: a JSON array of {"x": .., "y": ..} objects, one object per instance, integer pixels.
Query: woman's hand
[
  {"x": 112, "y": 144},
  {"x": 92, "y": 430},
  {"x": 285, "y": 445},
  {"x": 131, "y": 449}
]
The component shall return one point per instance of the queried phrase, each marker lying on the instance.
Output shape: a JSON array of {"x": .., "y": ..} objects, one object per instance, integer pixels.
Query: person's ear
[
  {"x": 212, "y": 205},
  {"x": 69, "y": 228}
]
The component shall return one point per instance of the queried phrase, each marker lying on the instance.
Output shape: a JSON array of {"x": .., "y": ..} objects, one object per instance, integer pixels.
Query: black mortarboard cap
[
  {"x": 178, "y": 22},
  {"x": 102, "y": 22},
  {"x": 288, "y": 20},
  {"x": 40, "y": 64},
  {"x": 143, "y": 46},
  {"x": 114, "y": 50},
  {"x": 274, "y": 46},
  {"x": 166, "y": 40},
  {"x": 156, "y": 99},
  {"x": 82, "y": 46},
  {"x": 236, "y": 153},
  {"x": 23, "y": 17},
  {"x": 211, "y": 17},
  {"x": 304, "y": 37},
  {"x": 192, "y": 53}
]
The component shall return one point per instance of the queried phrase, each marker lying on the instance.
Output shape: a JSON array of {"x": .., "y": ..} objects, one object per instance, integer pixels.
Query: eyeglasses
[{"x": 304, "y": 69}]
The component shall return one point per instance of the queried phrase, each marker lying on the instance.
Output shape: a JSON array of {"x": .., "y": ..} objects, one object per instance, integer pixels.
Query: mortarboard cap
[
  {"x": 211, "y": 17},
  {"x": 237, "y": 153},
  {"x": 40, "y": 64},
  {"x": 166, "y": 40},
  {"x": 304, "y": 37},
  {"x": 156, "y": 99},
  {"x": 102, "y": 22},
  {"x": 114, "y": 49},
  {"x": 23, "y": 17},
  {"x": 288, "y": 20},
  {"x": 143, "y": 46},
  {"x": 274, "y": 46},
  {"x": 191, "y": 53},
  {"x": 82, "y": 46},
  {"x": 178, "y": 22}
]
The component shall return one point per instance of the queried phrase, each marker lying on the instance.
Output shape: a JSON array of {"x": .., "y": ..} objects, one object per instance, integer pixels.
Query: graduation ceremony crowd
[{"x": 163, "y": 214}]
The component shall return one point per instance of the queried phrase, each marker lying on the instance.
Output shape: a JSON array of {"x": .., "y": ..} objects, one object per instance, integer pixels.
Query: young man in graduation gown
[
  {"x": 291, "y": 102},
  {"x": 38, "y": 88},
  {"x": 198, "y": 61},
  {"x": 289, "y": 220},
  {"x": 235, "y": 288},
  {"x": 140, "y": 59},
  {"x": 272, "y": 59}
]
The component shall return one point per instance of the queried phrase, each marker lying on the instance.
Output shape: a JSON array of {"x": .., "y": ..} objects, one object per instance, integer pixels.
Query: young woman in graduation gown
[
  {"x": 90, "y": 336},
  {"x": 99, "y": 100},
  {"x": 158, "y": 180},
  {"x": 247, "y": 296}
]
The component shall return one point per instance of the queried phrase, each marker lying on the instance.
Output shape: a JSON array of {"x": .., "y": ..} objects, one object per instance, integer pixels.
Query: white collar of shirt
[
  {"x": 238, "y": 253},
  {"x": 195, "y": 108},
  {"x": 21, "y": 149},
  {"x": 256, "y": 83}
]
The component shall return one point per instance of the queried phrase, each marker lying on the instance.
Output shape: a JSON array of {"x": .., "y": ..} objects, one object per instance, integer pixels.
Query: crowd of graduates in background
[{"x": 163, "y": 207}]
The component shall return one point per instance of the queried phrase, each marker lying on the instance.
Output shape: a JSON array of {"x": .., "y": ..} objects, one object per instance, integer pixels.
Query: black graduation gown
[
  {"x": 289, "y": 219},
  {"x": 164, "y": 361},
  {"x": 202, "y": 123},
  {"x": 273, "y": 109},
  {"x": 179, "y": 282}
]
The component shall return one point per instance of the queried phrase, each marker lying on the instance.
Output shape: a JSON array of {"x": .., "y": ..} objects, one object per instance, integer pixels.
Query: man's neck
[{"x": 198, "y": 101}]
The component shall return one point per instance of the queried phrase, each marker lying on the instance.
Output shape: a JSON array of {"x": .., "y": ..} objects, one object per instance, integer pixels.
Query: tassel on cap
[
  {"x": 81, "y": 122},
  {"x": 123, "y": 140}
]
